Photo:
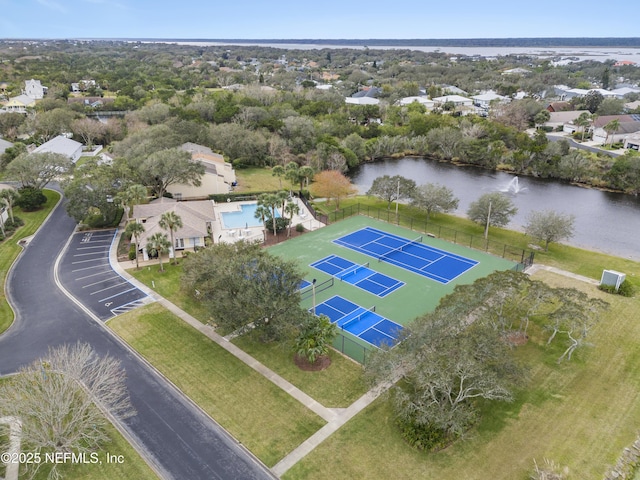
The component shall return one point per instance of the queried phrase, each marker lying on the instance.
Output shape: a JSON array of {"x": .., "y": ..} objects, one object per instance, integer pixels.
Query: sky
[{"x": 321, "y": 19}]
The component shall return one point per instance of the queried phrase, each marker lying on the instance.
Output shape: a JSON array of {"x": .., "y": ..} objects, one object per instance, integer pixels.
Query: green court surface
[{"x": 418, "y": 296}]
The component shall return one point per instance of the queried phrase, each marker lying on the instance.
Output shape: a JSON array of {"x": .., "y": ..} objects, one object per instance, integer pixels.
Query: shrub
[
  {"x": 132, "y": 252},
  {"x": 422, "y": 437},
  {"x": 31, "y": 199},
  {"x": 281, "y": 224},
  {"x": 299, "y": 228},
  {"x": 625, "y": 289}
]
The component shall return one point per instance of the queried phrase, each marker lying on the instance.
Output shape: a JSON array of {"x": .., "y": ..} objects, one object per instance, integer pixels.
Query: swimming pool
[{"x": 244, "y": 218}]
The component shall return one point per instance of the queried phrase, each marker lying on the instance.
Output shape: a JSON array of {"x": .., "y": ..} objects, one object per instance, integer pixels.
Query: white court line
[
  {"x": 101, "y": 281},
  {"x": 89, "y": 268},
  {"x": 117, "y": 294},
  {"x": 108, "y": 288}
]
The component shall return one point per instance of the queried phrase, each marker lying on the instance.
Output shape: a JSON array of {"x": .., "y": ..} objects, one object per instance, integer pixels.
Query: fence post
[{"x": 504, "y": 250}]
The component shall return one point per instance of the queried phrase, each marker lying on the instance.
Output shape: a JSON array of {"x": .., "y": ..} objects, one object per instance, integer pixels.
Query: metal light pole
[
  {"x": 486, "y": 228},
  {"x": 313, "y": 289},
  {"x": 397, "y": 199}
]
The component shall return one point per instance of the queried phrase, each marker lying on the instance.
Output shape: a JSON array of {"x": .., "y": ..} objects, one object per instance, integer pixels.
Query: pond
[{"x": 605, "y": 221}]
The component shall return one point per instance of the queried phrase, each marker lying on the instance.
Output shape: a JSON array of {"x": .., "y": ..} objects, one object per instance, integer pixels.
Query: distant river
[
  {"x": 608, "y": 222},
  {"x": 599, "y": 54}
]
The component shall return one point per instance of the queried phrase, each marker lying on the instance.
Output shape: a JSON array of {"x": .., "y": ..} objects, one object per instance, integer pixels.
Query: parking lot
[{"x": 86, "y": 273}]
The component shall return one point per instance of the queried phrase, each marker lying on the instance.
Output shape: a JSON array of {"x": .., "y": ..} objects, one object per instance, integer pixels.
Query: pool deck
[{"x": 231, "y": 235}]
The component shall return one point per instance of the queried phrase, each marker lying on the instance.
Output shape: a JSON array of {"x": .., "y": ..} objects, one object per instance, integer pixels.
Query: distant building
[
  {"x": 34, "y": 89},
  {"x": 62, "y": 145},
  {"x": 19, "y": 104}
]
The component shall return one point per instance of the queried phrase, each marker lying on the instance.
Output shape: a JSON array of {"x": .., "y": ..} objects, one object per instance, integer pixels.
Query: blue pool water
[{"x": 244, "y": 218}]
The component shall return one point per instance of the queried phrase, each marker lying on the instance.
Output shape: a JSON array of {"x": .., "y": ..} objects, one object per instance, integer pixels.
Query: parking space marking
[
  {"x": 86, "y": 254},
  {"x": 94, "y": 275},
  {"x": 109, "y": 288},
  {"x": 101, "y": 281},
  {"x": 117, "y": 294},
  {"x": 89, "y": 268},
  {"x": 85, "y": 261}
]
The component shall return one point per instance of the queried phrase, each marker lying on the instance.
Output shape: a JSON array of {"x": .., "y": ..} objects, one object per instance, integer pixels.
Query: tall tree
[
  {"x": 433, "y": 197},
  {"x": 168, "y": 167},
  {"x": 88, "y": 130},
  {"x": 158, "y": 244},
  {"x": 611, "y": 128},
  {"x": 271, "y": 202},
  {"x": 332, "y": 185},
  {"x": 278, "y": 171},
  {"x": 392, "y": 189},
  {"x": 583, "y": 121},
  {"x": 135, "y": 229},
  {"x": 242, "y": 284},
  {"x": 549, "y": 226},
  {"x": 291, "y": 209},
  {"x": 60, "y": 400},
  {"x": 172, "y": 222},
  {"x": 492, "y": 209},
  {"x": 9, "y": 196},
  {"x": 37, "y": 170}
]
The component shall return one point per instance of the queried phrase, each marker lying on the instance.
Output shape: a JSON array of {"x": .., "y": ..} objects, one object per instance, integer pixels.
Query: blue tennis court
[
  {"x": 359, "y": 275},
  {"x": 412, "y": 255},
  {"x": 361, "y": 322}
]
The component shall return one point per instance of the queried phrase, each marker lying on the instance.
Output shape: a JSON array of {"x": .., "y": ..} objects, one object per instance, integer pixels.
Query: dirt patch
[
  {"x": 321, "y": 363},
  {"x": 516, "y": 338},
  {"x": 281, "y": 237}
]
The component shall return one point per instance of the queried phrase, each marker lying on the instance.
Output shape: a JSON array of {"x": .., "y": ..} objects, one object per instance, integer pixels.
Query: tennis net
[
  {"x": 400, "y": 248},
  {"x": 307, "y": 292},
  {"x": 352, "y": 270},
  {"x": 358, "y": 317}
]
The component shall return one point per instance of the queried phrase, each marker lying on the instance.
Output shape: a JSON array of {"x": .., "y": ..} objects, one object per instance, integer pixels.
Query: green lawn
[
  {"x": 336, "y": 387},
  {"x": 258, "y": 180},
  {"x": 580, "y": 414},
  {"x": 267, "y": 420},
  {"x": 9, "y": 249}
]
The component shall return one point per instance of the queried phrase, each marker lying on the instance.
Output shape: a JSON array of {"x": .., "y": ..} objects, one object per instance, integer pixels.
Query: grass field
[
  {"x": 263, "y": 417},
  {"x": 580, "y": 414},
  {"x": 258, "y": 180},
  {"x": 9, "y": 249}
]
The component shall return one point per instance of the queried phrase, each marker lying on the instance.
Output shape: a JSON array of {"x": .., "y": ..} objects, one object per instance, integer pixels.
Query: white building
[
  {"x": 34, "y": 89},
  {"x": 62, "y": 145}
]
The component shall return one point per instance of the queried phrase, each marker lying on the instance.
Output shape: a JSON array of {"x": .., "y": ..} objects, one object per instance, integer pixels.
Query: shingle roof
[{"x": 59, "y": 144}]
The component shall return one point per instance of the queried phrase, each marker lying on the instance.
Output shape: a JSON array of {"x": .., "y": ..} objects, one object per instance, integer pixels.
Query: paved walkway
[{"x": 335, "y": 417}]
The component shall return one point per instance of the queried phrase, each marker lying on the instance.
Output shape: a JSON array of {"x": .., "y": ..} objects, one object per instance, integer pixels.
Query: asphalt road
[
  {"x": 182, "y": 442},
  {"x": 581, "y": 146}
]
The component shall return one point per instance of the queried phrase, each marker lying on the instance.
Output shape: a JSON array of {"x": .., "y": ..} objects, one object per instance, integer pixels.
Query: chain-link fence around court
[{"x": 523, "y": 257}]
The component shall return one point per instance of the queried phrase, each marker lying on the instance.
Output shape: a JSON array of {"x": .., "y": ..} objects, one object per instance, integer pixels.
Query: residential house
[
  {"x": 19, "y": 104},
  {"x": 219, "y": 176},
  {"x": 632, "y": 106},
  {"x": 565, "y": 120},
  {"x": 629, "y": 125},
  {"x": 559, "y": 107},
  {"x": 633, "y": 142},
  {"x": 366, "y": 96},
  {"x": 428, "y": 103},
  {"x": 83, "y": 85},
  {"x": 34, "y": 89},
  {"x": 622, "y": 91},
  {"x": 486, "y": 99},
  {"x": 62, "y": 145},
  {"x": 516, "y": 71},
  {"x": 452, "y": 90},
  {"x": 461, "y": 105},
  {"x": 196, "y": 216}
]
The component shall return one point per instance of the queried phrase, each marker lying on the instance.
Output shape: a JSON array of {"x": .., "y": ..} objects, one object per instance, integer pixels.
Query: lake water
[{"x": 605, "y": 221}]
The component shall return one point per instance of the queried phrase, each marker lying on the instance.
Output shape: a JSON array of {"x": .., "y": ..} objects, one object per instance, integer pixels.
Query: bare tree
[{"x": 61, "y": 401}]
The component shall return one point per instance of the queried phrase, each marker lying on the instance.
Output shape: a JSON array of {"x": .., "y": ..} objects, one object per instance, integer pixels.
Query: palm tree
[
  {"x": 611, "y": 128},
  {"x": 270, "y": 201},
  {"x": 583, "y": 121},
  {"x": 135, "y": 229},
  {"x": 278, "y": 171},
  {"x": 160, "y": 244},
  {"x": 9, "y": 197},
  {"x": 306, "y": 173},
  {"x": 131, "y": 196},
  {"x": 291, "y": 208},
  {"x": 171, "y": 221}
]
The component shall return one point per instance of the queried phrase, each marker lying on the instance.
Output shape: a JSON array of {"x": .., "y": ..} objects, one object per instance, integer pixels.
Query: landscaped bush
[
  {"x": 132, "y": 252},
  {"x": 281, "y": 224},
  {"x": 422, "y": 437},
  {"x": 299, "y": 228},
  {"x": 625, "y": 289},
  {"x": 31, "y": 199}
]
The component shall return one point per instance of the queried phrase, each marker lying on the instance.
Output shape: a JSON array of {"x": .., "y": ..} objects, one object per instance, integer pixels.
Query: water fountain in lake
[{"x": 513, "y": 187}]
